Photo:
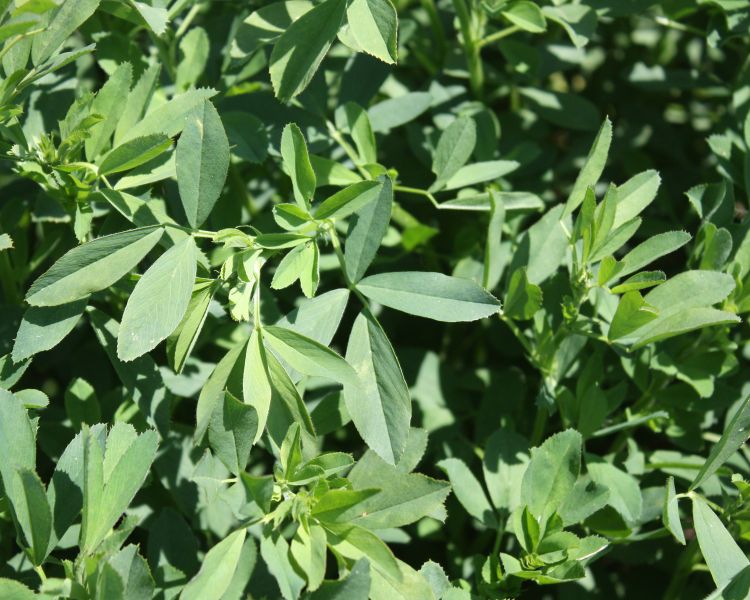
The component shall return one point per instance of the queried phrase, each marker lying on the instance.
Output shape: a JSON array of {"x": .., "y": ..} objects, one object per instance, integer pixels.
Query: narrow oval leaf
[
  {"x": 134, "y": 153},
  {"x": 302, "y": 47},
  {"x": 43, "y": 327},
  {"x": 431, "y": 295},
  {"x": 722, "y": 554},
  {"x": 92, "y": 267},
  {"x": 202, "y": 161},
  {"x": 367, "y": 229},
  {"x": 159, "y": 301},
  {"x": 374, "y": 25},
  {"x": 381, "y": 409},
  {"x": 217, "y": 569}
]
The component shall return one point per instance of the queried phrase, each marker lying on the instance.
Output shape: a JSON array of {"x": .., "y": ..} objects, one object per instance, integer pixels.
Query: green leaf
[
  {"x": 275, "y": 552},
  {"x": 624, "y": 493},
  {"x": 671, "y": 513},
  {"x": 92, "y": 267},
  {"x": 231, "y": 432},
  {"x": 506, "y": 456},
  {"x": 301, "y": 48},
  {"x": 108, "y": 103},
  {"x": 586, "y": 498},
  {"x": 159, "y": 301},
  {"x": 367, "y": 229},
  {"x": 202, "y": 161},
  {"x": 635, "y": 195},
  {"x": 182, "y": 341},
  {"x": 374, "y": 25},
  {"x": 329, "y": 172},
  {"x": 266, "y": 24},
  {"x": 592, "y": 168},
  {"x": 212, "y": 392},
  {"x": 357, "y": 542},
  {"x": 578, "y": 20},
  {"x": 394, "y": 112},
  {"x": 454, "y": 148},
  {"x": 542, "y": 247},
  {"x": 33, "y": 513},
  {"x": 256, "y": 384},
  {"x": 640, "y": 281},
  {"x": 217, "y": 569},
  {"x": 522, "y": 299},
  {"x": 69, "y": 16},
  {"x": 112, "y": 478},
  {"x": 349, "y": 200},
  {"x": 526, "y": 15},
  {"x": 552, "y": 473},
  {"x": 431, "y": 295},
  {"x": 136, "y": 102},
  {"x": 134, "y": 153},
  {"x": 352, "y": 118},
  {"x": 318, "y": 318},
  {"x": 650, "y": 250},
  {"x": 297, "y": 164},
  {"x": 494, "y": 262},
  {"x": 480, "y": 172},
  {"x": 290, "y": 216},
  {"x": 572, "y": 111},
  {"x": 734, "y": 436},
  {"x": 469, "y": 491},
  {"x": 17, "y": 442},
  {"x": 13, "y": 590},
  {"x": 134, "y": 573},
  {"x": 310, "y": 357},
  {"x": 355, "y": 586},
  {"x": 43, "y": 327},
  {"x": 381, "y": 407},
  {"x": 686, "y": 320},
  {"x": 309, "y": 551},
  {"x": 403, "y": 498},
  {"x": 171, "y": 117},
  {"x": 632, "y": 313},
  {"x": 723, "y": 556},
  {"x": 141, "y": 378}
]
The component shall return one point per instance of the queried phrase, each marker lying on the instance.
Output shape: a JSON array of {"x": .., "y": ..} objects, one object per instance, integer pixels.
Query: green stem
[
  {"x": 187, "y": 21},
  {"x": 7, "y": 279},
  {"x": 40, "y": 571},
  {"x": 350, "y": 152},
  {"x": 540, "y": 424},
  {"x": 682, "y": 571},
  {"x": 471, "y": 48},
  {"x": 437, "y": 27},
  {"x": 417, "y": 192},
  {"x": 336, "y": 243},
  {"x": 498, "y": 35}
]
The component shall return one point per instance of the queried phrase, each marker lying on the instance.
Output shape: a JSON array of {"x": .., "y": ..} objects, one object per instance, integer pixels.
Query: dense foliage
[{"x": 422, "y": 300}]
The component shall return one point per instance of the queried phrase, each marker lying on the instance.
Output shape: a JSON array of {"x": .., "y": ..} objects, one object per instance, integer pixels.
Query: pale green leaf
[
  {"x": 430, "y": 295},
  {"x": 302, "y": 47},
  {"x": 454, "y": 149},
  {"x": 723, "y": 556},
  {"x": 381, "y": 407},
  {"x": 552, "y": 473},
  {"x": 374, "y": 25},
  {"x": 592, "y": 168},
  {"x": 92, "y": 267},
  {"x": 366, "y": 231},
  {"x": 133, "y": 153},
  {"x": 202, "y": 161},
  {"x": 159, "y": 301},
  {"x": 43, "y": 327},
  {"x": 469, "y": 491},
  {"x": 217, "y": 569},
  {"x": 297, "y": 164}
]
